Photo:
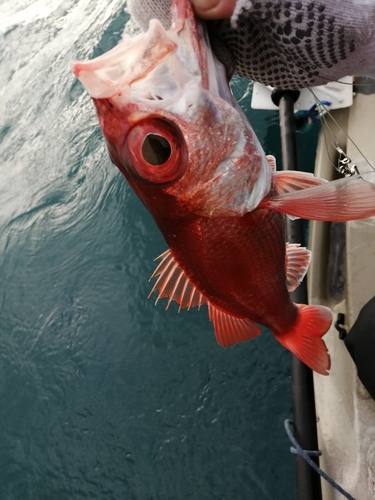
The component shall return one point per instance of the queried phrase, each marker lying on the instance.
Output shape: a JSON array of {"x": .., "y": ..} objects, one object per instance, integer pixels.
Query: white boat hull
[{"x": 345, "y": 410}]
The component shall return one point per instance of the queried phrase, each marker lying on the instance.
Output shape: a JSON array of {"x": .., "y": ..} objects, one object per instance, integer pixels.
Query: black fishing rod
[{"x": 308, "y": 484}]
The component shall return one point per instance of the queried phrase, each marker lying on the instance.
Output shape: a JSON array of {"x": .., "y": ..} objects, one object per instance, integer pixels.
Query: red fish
[{"x": 174, "y": 130}]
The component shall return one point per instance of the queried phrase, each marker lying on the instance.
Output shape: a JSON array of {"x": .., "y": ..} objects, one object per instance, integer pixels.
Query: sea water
[{"x": 104, "y": 395}]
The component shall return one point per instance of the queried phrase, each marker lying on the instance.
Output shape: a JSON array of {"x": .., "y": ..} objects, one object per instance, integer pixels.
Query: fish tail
[{"x": 304, "y": 339}]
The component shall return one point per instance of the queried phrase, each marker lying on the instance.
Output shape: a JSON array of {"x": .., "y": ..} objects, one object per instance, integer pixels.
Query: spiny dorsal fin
[
  {"x": 272, "y": 161},
  {"x": 173, "y": 283},
  {"x": 230, "y": 330},
  {"x": 297, "y": 261}
]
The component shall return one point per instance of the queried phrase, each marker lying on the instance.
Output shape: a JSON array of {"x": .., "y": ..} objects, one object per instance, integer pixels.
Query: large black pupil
[{"x": 155, "y": 149}]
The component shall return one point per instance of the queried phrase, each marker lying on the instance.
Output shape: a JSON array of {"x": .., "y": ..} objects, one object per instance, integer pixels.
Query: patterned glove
[{"x": 287, "y": 44}]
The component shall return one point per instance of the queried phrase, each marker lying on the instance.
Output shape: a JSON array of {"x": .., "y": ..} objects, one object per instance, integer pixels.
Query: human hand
[
  {"x": 214, "y": 9},
  {"x": 144, "y": 10}
]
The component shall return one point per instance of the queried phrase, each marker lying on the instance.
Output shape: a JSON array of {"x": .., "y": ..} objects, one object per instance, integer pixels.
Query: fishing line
[
  {"x": 324, "y": 130},
  {"x": 355, "y": 84},
  {"x": 326, "y": 143},
  {"x": 317, "y": 100},
  {"x": 335, "y": 164}
]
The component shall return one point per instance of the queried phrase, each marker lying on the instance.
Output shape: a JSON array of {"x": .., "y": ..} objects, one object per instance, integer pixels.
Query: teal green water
[{"x": 103, "y": 394}]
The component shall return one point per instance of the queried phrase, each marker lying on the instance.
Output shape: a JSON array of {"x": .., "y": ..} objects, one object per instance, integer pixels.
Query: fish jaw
[
  {"x": 193, "y": 39},
  {"x": 113, "y": 74},
  {"x": 134, "y": 57}
]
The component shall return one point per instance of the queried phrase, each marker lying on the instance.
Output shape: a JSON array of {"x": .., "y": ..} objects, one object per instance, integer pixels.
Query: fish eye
[{"x": 156, "y": 150}]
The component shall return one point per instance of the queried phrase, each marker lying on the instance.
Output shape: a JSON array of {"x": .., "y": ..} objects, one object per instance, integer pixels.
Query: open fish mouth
[{"x": 159, "y": 65}]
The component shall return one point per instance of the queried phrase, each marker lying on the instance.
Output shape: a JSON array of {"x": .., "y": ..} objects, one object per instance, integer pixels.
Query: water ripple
[{"x": 102, "y": 394}]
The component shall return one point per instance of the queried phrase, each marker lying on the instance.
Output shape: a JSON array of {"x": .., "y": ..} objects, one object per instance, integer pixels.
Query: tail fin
[{"x": 304, "y": 339}]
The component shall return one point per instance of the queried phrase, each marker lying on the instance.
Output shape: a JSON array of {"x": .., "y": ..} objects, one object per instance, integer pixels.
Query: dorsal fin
[
  {"x": 297, "y": 261},
  {"x": 230, "y": 330},
  {"x": 173, "y": 283},
  {"x": 272, "y": 161}
]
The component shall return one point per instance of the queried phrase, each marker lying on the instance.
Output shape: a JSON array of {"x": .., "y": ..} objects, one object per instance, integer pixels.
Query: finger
[{"x": 214, "y": 9}]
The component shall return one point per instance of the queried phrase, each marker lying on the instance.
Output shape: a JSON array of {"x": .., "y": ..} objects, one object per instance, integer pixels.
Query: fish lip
[
  {"x": 193, "y": 37},
  {"x": 197, "y": 41}
]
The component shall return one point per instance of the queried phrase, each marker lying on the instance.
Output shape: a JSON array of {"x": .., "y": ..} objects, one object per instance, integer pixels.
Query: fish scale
[{"x": 215, "y": 196}]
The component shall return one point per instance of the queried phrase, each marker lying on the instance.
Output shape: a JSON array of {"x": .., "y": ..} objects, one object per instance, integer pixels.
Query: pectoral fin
[
  {"x": 339, "y": 201},
  {"x": 173, "y": 283},
  {"x": 230, "y": 330},
  {"x": 288, "y": 181}
]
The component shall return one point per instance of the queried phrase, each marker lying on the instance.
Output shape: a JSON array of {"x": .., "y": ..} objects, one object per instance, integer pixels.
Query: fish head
[{"x": 171, "y": 123}]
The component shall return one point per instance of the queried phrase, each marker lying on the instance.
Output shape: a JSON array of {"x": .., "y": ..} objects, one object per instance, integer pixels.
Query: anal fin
[{"x": 230, "y": 330}]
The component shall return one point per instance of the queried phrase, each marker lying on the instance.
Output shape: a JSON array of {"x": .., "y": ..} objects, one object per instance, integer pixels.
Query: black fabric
[{"x": 360, "y": 343}]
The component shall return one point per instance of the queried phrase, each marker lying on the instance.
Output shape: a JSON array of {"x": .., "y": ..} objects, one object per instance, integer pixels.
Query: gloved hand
[{"x": 286, "y": 44}]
